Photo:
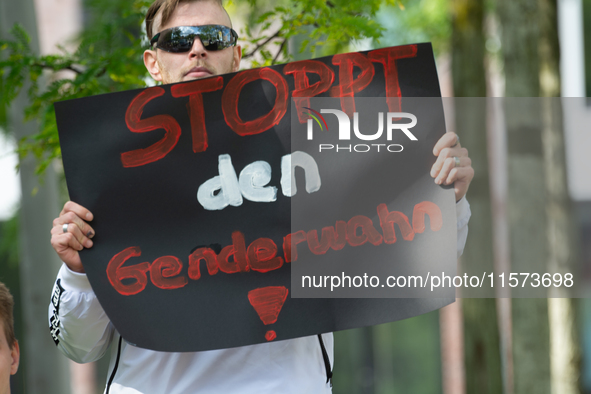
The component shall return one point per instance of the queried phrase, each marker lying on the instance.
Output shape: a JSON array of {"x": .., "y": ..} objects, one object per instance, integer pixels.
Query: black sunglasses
[{"x": 180, "y": 39}]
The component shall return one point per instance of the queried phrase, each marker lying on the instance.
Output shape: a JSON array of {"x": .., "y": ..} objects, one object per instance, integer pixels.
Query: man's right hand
[{"x": 68, "y": 244}]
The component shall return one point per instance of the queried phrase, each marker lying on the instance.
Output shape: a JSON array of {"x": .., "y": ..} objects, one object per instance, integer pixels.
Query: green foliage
[
  {"x": 419, "y": 21},
  {"x": 108, "y": 54},
  {"x": 329, "y": 25},
  {"x": 108, "y": 58}
]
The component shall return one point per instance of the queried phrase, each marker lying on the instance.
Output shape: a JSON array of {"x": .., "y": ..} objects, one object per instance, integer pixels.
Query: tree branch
[
  {"x": 279, "y": 51},
  {"x": 71, "y": 68},
  {"x": 48, "y": 67},
  {"x": 259, "y": 46}
]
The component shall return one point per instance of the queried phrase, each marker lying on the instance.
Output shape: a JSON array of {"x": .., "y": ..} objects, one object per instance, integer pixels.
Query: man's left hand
[{"x": 453, "y": 164}]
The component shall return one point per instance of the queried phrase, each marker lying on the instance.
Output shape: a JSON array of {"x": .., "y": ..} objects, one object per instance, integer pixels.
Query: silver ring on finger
[
  {"x": 456, "y": 161},
  {"x": 65, "y": 227},
  {"x": 457, "y": 140}
]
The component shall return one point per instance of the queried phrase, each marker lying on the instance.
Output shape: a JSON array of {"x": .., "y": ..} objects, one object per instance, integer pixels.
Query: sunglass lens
[
  {"x": 176, "y": 40},
  {"x": 212, "y": 38}
]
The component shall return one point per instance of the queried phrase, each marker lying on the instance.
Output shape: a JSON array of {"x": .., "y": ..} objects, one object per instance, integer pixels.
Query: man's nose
[{"x": 198, "y": 50}]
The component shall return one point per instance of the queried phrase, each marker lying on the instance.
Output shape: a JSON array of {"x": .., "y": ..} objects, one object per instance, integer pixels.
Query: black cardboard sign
[{"x": 173, "y": 275}]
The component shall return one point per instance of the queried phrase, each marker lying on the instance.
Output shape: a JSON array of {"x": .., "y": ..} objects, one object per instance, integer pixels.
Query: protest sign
[{"x": 202, "y": 212}]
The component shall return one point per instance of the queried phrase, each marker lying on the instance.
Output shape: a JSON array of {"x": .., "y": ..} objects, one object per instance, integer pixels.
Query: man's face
[
  {"x": 9, "y": 359},
  {"x": 198, "y": 63}
]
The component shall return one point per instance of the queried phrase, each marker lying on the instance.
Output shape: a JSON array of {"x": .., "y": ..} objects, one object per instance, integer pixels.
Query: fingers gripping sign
[
  {"x": 453, "y": 165},
  {"x": 71, "y": 233}
]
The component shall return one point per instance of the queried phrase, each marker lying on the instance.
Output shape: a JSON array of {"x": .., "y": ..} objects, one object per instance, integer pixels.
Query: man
[
  {"x": 9, "y": 350},
  {"x": 79, "y": 325}
]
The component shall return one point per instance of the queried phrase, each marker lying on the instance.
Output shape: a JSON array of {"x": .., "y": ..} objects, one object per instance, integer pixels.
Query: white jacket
[{"x": 83, "y": 332}]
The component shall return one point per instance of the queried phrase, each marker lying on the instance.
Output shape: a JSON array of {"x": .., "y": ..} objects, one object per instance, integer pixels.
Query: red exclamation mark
[{"x": 267, "y": 302}]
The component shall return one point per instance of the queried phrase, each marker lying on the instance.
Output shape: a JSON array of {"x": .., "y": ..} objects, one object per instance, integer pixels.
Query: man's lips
[{"x": 198, "y": 72}]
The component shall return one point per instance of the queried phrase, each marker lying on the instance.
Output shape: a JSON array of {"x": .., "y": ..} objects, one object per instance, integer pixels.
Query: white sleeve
[
  {"x": 79, "y": 326},
  {"x": 463, "y": 214}
]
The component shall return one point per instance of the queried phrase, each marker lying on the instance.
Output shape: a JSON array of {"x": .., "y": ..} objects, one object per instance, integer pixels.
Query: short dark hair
[
  {"x": 168, "y": 7},
  {"x": 6, "y": 317}
]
